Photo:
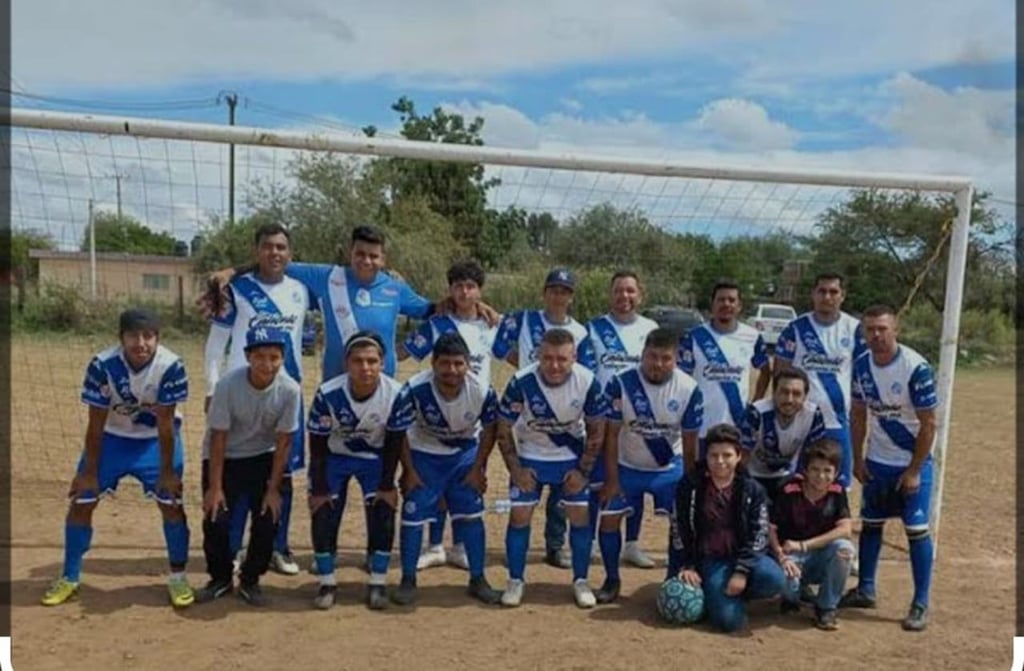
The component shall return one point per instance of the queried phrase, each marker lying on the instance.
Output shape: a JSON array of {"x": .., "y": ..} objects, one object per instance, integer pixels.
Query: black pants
[
  {"x": 772, "y": 487},
  {"x": 244, "y": 479}
]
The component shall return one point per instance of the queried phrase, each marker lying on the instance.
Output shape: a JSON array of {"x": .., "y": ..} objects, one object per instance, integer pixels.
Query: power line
[{"x": 156, "y": 105}]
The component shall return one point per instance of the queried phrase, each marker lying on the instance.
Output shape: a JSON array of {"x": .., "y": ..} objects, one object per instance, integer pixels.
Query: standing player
[
  {"x": 719, "y": 355},
  {"x": 518, "y": 341},
  {"x": 654, "y": 415},
  {"x": 824, "y": 343},
  {"x": 618, "y": 339},
  {"x": 347, "y": 425},
  {"x": 556, "y": 409},
  {"x": 253, "y": 415},
  {"x": 263, "y": 298},
  {"x": 893, "y": 393},
  {"x": 450, "y": 417},
  {"x": 465, "y": 284},
  {"x": 776, "y": 429},
  {"x": 132, "y": 390}
]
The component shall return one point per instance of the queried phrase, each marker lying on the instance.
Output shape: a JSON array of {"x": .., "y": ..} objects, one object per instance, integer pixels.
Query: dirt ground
[{"x": 123, "y": 621}]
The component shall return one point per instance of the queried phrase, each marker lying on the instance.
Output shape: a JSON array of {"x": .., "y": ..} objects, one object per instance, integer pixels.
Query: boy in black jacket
[{"x": 720, "y": 533}]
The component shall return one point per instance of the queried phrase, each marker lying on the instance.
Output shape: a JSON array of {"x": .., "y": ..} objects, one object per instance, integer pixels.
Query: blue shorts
[
  {"x": 552, "y": 474},
  {"x": 139, "y": 458},
  {"x": 341, "y": 468},
  {"x": 661, "y": 485},
  {"x": 297, "y": 458},
  {"x": 881, "y": 500},
  {"x": 842, "y": 436},
  {"x": 443, "y": 476},
  {"x": 597, "y": 474}
]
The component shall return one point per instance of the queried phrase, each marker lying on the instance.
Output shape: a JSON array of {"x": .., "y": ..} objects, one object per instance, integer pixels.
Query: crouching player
[
  {"x": 132, "y": 390},
  {"x": 654, "y": 415},
  {"x": 347, "y": 434},
  {"x": 253, "y": 415},
  {"x": 720, "y": 533},
  {"x": 811, "y": 531}
]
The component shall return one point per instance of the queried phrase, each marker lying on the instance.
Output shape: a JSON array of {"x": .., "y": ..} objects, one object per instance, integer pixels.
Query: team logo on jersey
[
  {"x": 640, "y": 404},
  {"x": 374, "y": 417},
  {"x": 510, "y": 321},
  {"x": 897, "y": 388},
  {"x": 419, "y": 341},
  {"x": 513, "y": 492},
  {"x": 363, "y": 298},
  {"x": 325, "y": 422},
  {"x": 576, "y": 403},
  {"x": 789, "y": 346},
  {"x": 259, "y": 302},
  {"x": 432, "y": 415},
  {"x": 341, "y": 311},
  {"x": 844, "y": 341},
  {"x": 537, "y": 405},
  {"x": 617, "y": 404},
  {"x": 608, "y": 339},
  {"x": 410, "y": 507},
  {"x": 105, "y": 391},
  {"x": 345, "y": 417},
  {"x": 673, "y": 405},
  {"x": 389, "y": 291},
  {"x": 469, "y": 416}
]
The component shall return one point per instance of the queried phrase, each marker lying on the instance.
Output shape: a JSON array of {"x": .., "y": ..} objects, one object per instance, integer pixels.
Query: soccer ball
[{"x": 679, "y": 602}]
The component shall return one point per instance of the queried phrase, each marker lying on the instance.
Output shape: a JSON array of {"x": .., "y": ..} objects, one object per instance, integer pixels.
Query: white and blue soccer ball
[{"x": 679, "y": 602}]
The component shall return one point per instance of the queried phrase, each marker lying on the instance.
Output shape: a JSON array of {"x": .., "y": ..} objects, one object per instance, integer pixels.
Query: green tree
[
  {"x": 23, "y": 241},
  {"x": 128, "y": 235}
]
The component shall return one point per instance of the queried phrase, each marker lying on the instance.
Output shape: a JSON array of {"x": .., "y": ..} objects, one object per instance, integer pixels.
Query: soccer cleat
[
  {"x": 405, "y": 594},
  {"x": 482, "y": 591},
  {"x": 376, "y": 597},
  {"x": 807, "y": 594},
  {"x": 826, "y": 620},
  {"x": 213, "y": 590},
  {"x": 857, "y": 599},
  {"x": 582, "y": 593},
  {"x": 609, "y": 591},
  {"x": 513, "y": 594},
  {"x": 252, "y": 595},
  {"x": 916, "y": 619},
  {"x": 60, "y": 591},
  {"x": 433, "y": 556},
  {"x": 787, "y": 607},
  {"x": 180, "y": 592},
  {"x": 283, "y": 564},
  {"x": 558, "y": 558},
  {"x": 457, "y": 557},
  {"x": 632, "y": 554},
  {"x": 324, "y": 598}
]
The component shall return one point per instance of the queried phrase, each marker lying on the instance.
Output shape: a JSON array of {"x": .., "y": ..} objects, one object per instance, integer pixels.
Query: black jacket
[{"x": 750, "y": 504}]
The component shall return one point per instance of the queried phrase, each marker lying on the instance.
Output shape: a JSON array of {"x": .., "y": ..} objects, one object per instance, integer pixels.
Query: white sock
[
  {"x": 177, "y": 575},
  {"x": 328, "y": 580},
  {"x": 378, "y": 578}
]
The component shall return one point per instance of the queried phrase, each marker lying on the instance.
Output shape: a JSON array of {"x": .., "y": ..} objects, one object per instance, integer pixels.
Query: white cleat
[
  {"x": 283, "y": 564},
  {"x": 632, "y": 554},
  {"x": 583, "y": 594},
  {"x": 457, "y": 557},
  {"x": 431, "y": 557},
  {"x": 513, "y": 594}
]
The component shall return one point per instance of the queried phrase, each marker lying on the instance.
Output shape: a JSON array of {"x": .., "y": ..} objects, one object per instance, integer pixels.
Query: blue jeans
[
  {"x": 727, "y": 612},
  {"x": 823, "y": 567}
]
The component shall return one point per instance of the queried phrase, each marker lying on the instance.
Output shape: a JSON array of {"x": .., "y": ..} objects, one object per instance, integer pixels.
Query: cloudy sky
[{"x": 915, "y": 85}]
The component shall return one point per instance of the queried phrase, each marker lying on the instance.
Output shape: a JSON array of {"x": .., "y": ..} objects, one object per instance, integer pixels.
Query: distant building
[
  {"x": 122, "y": 276},
  {"x": 792, "y": 273}
]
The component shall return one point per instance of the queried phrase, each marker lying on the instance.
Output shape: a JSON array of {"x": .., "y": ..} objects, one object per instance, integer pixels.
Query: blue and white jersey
[
  {"x": 354, "y": 428},
  {"x": 349, "y": 306},
  {"x": 478, "y": 334},
  {"x": 549, "y": 423},
  {"x": 893, "y": 394},
  {"x": 131, "y": 395},
  {"x": 720, "y": 362},
  {"x": 252, "y": 303},
  {"x": 437, "y": 425},
  {"x": 523, "y": 331},
  {"x": 826, "y": 353},
  {"x": 774, "y": 449},
  {"x": 653, "y": 417},
  {"x": 617, "y": 346}
]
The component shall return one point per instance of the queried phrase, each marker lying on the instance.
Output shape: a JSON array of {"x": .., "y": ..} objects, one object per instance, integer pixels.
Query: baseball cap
[
  {"x": 258, "y": 336},
  {"x": 560, "y": 277}
]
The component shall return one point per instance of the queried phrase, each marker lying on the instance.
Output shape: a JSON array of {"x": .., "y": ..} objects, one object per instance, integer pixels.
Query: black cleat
[
  {"x": 214, "y": 590},
  {"x": 405, "y": 593},
  {"x": 916, "y": 619},
  {"x": 807, "y": 595},
  {"x": 609, "y": 591},
  {"x": 857, "y": 599},
  {"x": 787, "y": 607},
  {"x": 376, "y": 597},
  {"x": 481, "y": 590},
  {"x": 252, "y": 595},
  {"x": 826, "y": 620},
  {"x": 557, "y": 559}
]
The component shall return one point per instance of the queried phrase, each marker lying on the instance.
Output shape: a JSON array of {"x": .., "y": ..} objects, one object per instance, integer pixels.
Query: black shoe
[
  {"x": 481, "y": 590},
  {"x": 609, "y": 591},
  {"x": 916, "y": 619},
  {"x": 405, "y": 594},
  {"x": 214, "y": 590},
  {"x": 557, "y": 559},
  {"x": 807, "y": 595},
  {"x": 252, "y": 595},
  {"x": 826, "y": 620},
  {"x": 787, "y": 607},
  {"x": 325, "y": 597},
  {"x": 857, "y": 599},
  {"x": 376, "y": 597}
]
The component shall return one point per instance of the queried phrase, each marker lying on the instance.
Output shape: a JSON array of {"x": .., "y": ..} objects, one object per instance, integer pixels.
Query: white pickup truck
[{"x": 770, "y": 319}]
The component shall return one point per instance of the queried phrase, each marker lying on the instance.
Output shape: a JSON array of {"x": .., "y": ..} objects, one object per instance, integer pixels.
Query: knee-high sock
[
  {"x": 283, "y": 523},
  {"x": 580, "y": 540},
  {"x": 611, "y": 548},
  {"x": 517, "y": 544},
  {"x": 176, "y": 536},
  {"x": 76, "y": 543},
  {"x": 921, "y": 557},
  {"x": 474, "y": 538},
  {"x": 870, "y": 549}
]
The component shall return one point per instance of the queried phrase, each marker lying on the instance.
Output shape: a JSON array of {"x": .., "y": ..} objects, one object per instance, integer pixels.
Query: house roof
[{"x": 109, "y": 256}]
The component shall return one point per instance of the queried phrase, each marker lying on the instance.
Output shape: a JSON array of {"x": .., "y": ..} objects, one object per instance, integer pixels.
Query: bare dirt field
[{"x": 123, "y": 620}]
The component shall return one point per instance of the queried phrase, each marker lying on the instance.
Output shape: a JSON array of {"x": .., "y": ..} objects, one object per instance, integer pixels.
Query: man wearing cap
[
  {"x": 132, "y": 390},
  {"x": 250, "y": 425}
]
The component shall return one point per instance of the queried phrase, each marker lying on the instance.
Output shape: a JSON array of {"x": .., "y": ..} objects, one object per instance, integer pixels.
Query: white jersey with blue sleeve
[
  {"x": 131, "y": 395},
  {"x": 653, "y": 417},
  {"x": 478, "y": 334},
  {"x": 617, "y": 346},
  {"x": 893, "y": 394},
  {"x": 720, "y": 362},
  {"x": 523, "y": 331},
  {"x": 439, "y": 426},
  {"x": 774, "y": 448},
  {"x": 353, "y": 428},
  {"x": 826, "y": 353},
  {"x": 549, "y": 422}
]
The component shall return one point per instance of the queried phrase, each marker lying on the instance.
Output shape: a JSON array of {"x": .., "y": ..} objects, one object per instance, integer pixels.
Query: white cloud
[{"x": 745, "y": 125}]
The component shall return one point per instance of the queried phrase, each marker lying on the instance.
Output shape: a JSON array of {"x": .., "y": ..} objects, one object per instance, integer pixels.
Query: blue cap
[
  {"x": 258, "y": 336},
  {"x": 560, "y": 277}
]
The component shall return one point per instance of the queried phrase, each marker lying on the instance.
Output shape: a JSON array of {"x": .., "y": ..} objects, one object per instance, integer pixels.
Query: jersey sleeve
[
  {"x": 693, "y": 416},
  {"x": 817, "y": 430},
  {"x": 95, "y": 386},
  {"x": 760, "y": 356},
  {"x": 511, "y": 405},
  {"x": 173, "y": 385},
  {"x": 750, "y": 427},
  {"x": 856, "y": 393},
  {"x": 685, "y": 355},
  {"x": 214, "y": 354},
  {"x": 230, "y": 311},
  {"x": 312, "y": 275},
  {"x": 785, "y": 347},
  {"x": 613, "y": 397},
  {"x": 507, "y": 337},
  {"x": 859, "y": 345},
  {"x": 403, "y": 410},
  {"x": 595, "y": 405},
  {"x": 290, "y": 421},
  {"x": 321, "y": 420},
  {"x": 586, "y": 355},
  {"x": 922, "y": 388},
  {"x": 420, "y": 341},
  {"x": 411, "y": 304}
]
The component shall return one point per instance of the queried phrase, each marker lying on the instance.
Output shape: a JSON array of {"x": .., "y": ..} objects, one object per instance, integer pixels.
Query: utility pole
[
  {"x": 92, "y": 251},
  {"x": 117, "y": 177},
  {"x": 232, "y": 101}
]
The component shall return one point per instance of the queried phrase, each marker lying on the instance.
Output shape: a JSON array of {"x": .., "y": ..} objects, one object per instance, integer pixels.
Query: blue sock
[
  {"x": 283, "y": 522},
  {"x": 473, "y": 537},
  {"x": 633, "y": 523},
  {"x": 594, "y": 511},
  {"x": 870, "y": 549},
  {"x": 921, "y": 556},
  {"x": 176, "y": 536},
  {"x": 517, "y": 543},
  {"x": 611, "y": 548},
  {"x": 457, "y": 535},
  {"x": 76, "y": 543},
  {"x": 580, "y": 539},
  {"x": 236, "y": 529},
  {"x": 436, "y": 536},
  {"x": 410, "y": 539},
  {"x": 324, "y": 563},
  {"x": 379, "y": 561}
]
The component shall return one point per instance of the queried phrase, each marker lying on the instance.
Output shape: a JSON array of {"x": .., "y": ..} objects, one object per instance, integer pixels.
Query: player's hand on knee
[
  {"x": 410, "y": 480},
  {"x": 525, "y": 479},
  {"x": 318, "y": 501},
  {"x": 736, "y": 585},
  {"x": 169, "y": 484},
  {"x": 477, "y": 479},
  {"x": 909, "y": 482},
  {"x": 860, "y": 471},
  {"x": 387, "y": 497},
  {"x": 214, "y": 503},
  {"x": 574, "y": 482},
  {"x": 272, "y": 503},
  {"x": 84, "y": 482},
  {"x": 690, "y": 577},
  {"x": 790, "y": 568}
]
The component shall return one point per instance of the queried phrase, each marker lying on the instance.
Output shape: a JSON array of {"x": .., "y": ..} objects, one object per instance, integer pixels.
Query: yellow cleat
[
  {"x": 181, "y": 592},
  {"x": 60, "y": 591}
]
